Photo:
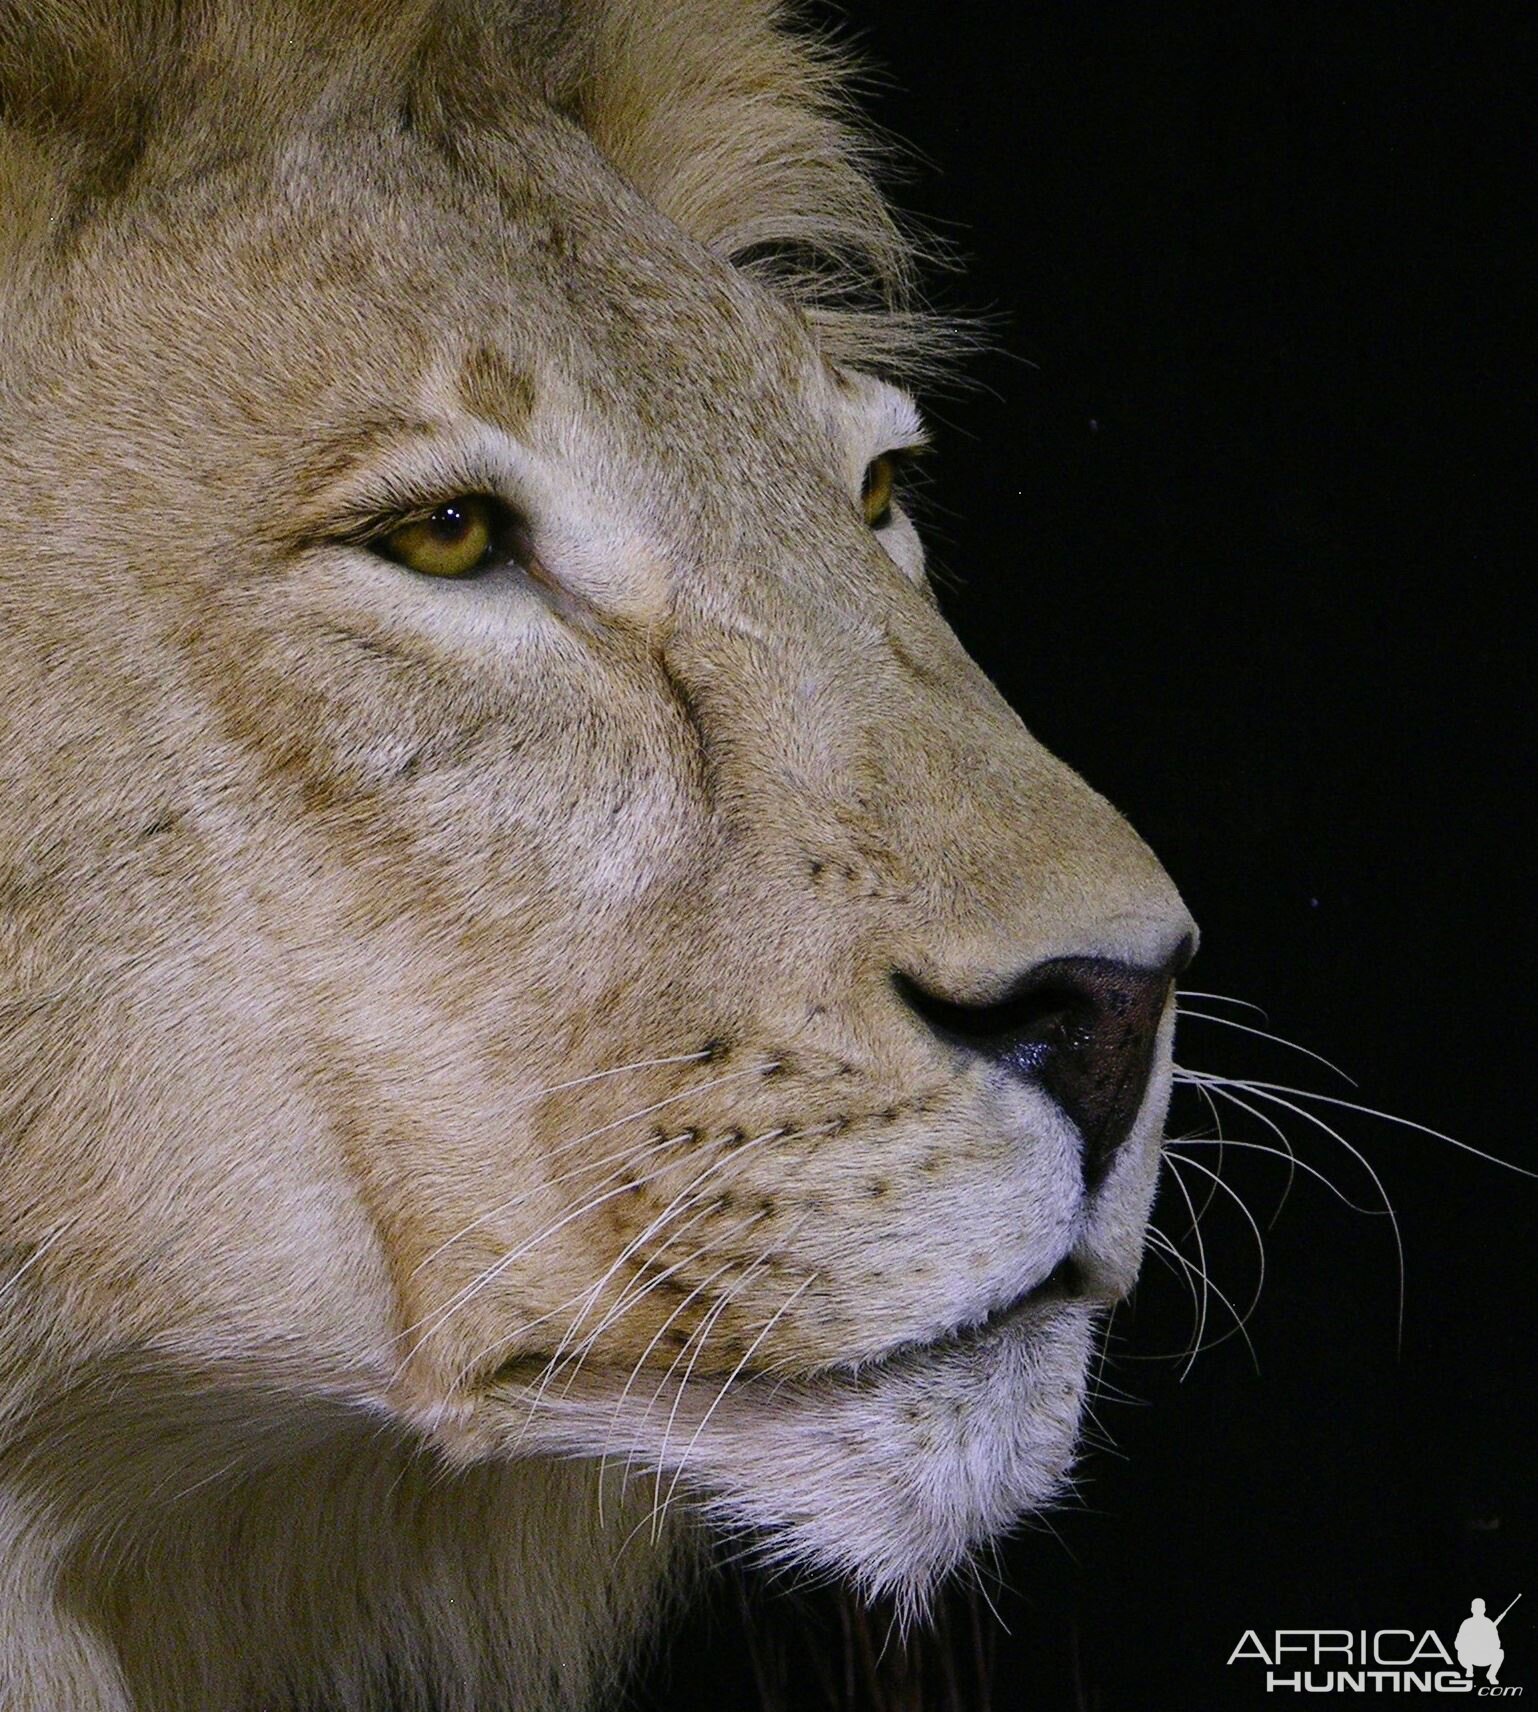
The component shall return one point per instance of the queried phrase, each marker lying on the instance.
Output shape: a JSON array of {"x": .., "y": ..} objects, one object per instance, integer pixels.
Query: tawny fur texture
[{"x": 457, "y": 1125}]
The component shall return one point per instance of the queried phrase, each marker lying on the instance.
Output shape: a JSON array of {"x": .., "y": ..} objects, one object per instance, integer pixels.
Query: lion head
[{"x": 524, "y": 940}]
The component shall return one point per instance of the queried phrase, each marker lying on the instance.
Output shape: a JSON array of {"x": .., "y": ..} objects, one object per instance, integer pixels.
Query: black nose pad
[{"x": 1083, "y": 1028}]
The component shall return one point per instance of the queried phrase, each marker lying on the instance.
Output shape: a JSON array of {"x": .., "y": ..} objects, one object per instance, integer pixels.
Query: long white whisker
[
  {"x": 1266, "y": 1091},
  {"x": 1184, "y": 1141},
  {"x": 1260, "y": 1249},
  {"x": 1264, "y": 1034},
  {"x": 1387, "y": 1117},
  {"x": 1217, "y": 999},
  {"x": 688, "y": 1194},
  {"x": 489, "y": 1276},
  {"x": 620, "y": 1160},
  {"x": 1201, "y": 1256},
  {"x": 1207, "y": 1090},
  {"x": 1217, "y": 1130},
  {"x": 640, "y": 1362},
  {"x": 579, "y": 1352},
  {"x": 699, "y": 1338},
  {"x": 619, "y": 1070},
  {"x": 731, "y": 1379},
  {"x": 1165, "y": 1250},
  {"x": 699, "y": 1254},
  {"x": 1199, "y": 1348},
  {"x": 703, "y": 1285},
  {"x": 641, "y": 1286}
]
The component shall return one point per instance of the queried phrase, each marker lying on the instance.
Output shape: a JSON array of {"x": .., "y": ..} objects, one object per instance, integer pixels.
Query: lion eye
[
  {"x": 459, "y": 537},
  {"x": 876, "y": 490}
]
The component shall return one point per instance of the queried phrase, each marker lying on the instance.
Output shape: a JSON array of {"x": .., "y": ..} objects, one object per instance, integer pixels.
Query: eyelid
[
  {"x": 392, "y": 503},
  {"x": 370, "y": 524},
  {"x": 410, "y": 478}
]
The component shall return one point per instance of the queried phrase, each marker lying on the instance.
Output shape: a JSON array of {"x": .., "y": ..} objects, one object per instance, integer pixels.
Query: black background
[{"x": 1231, "y": 518}]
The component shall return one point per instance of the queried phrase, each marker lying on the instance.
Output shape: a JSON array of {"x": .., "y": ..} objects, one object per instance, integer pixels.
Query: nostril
[
  {"x": 1082, "y": 1028},
  {"x": 1023, "y": 1030}
]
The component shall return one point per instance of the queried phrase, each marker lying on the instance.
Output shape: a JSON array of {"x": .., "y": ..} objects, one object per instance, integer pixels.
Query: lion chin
[
  {"x": 889, "y": 1476},
  {"x": 550, "y": 1016}
]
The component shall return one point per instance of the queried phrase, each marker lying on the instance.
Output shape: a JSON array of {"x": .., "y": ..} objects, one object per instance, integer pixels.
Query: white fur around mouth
[{"x": 889, "y": 1474}]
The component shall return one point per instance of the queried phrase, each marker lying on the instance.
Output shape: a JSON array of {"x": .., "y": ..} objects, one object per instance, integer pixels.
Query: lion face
[{"x": 591, "y": 1004}]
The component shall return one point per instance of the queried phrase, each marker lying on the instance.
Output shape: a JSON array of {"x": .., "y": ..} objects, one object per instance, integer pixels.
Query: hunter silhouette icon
[{"x": 1479, "y": 1641}]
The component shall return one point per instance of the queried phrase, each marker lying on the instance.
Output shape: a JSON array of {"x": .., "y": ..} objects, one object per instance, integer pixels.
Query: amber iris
[
  {"x": 876, "y": 490},
  {"x": 456, "y": 539}
]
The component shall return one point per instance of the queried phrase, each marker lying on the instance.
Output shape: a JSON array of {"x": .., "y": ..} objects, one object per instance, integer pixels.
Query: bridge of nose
[{"x": 874, "y": 736}]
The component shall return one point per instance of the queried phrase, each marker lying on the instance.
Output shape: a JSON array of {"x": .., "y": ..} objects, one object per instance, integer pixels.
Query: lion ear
[{"x": 738, "y": 128}]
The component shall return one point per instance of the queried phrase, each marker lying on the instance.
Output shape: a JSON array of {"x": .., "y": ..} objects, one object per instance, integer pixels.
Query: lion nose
[{"x": 1082, "y": 1028}]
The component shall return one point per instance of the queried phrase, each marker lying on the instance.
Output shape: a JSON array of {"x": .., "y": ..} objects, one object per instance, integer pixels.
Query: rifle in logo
[{"x": 1478, "y": 1645}]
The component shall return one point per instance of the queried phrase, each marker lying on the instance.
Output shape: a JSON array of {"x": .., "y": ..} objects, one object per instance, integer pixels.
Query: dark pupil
[{"x": 449, "y": 523}]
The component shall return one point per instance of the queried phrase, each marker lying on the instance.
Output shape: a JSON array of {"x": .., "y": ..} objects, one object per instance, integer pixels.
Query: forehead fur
[{"x": 731, "y": 124}]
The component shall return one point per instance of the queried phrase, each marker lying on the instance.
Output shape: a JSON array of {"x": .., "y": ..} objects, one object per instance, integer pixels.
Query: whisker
[
  {"x": 1201, "y": 1255},
  {"x": 1207, "y": 1091},
  {"x": 731, "y": 1378},
  {"x": 621, "y": 1159},
  {"x": 700, "y": 1337},
  {"x": 468, "y": 1292},
  {"x": 603, "y": 1129},
  {"x": 1279, "y": 1153},
  {"x": 1387, "y": 1117},
  {"x": 1198, "y": 1348},
  {"x": 1268, "y": 1092},
  {"x": 618, "y": 1070},
  {"x": 1218, "y": 999},
  {"x": 576, "y": 1355},
  {"x": 1260, "y": 1249},
  {"x": 690, "y": 1192},
  {"x": 579, "y": 1353},
  {"x": 1164, "y": 1250},
  {"x": 1264, "y": 1034},
  {"x": 636, "y": 1290},
  {"x": 640, "y": 1361},
  {"x": 1217, "y": 1130}
]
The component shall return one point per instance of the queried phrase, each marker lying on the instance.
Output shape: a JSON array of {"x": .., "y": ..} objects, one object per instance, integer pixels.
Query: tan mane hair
[{"x": 730, "y": 121}]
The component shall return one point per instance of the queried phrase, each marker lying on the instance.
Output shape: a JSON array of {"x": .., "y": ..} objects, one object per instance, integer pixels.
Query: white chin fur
[{"x": 888, "y": 1476}]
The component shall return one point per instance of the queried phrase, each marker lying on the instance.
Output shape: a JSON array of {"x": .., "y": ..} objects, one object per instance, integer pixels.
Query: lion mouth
[{"x": 1065, "y": 1284}]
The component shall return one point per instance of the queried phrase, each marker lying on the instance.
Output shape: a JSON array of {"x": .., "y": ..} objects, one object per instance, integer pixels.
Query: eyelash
[{"x": 508, "y": 541}]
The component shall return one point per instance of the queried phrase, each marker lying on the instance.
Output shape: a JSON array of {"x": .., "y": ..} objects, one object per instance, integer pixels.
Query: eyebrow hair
[
  {"x": 336, "y": 453},
  {"x": 497, "y": 391}
]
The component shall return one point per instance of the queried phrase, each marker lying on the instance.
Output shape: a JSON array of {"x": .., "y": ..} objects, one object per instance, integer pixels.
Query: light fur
[{"x": 456, "y": 1121}]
